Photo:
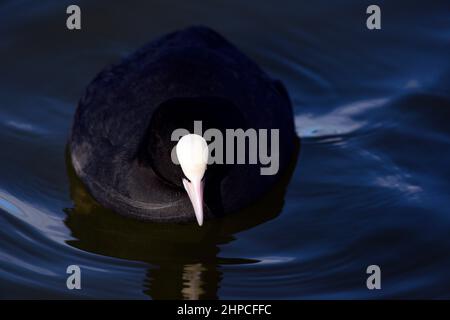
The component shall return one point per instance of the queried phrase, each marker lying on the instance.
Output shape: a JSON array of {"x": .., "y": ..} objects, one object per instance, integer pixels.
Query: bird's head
[{"x": 164, "y": 142}]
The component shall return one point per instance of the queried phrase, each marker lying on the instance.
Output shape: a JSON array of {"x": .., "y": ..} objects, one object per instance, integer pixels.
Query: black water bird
[{"x": 121, "y": 141}]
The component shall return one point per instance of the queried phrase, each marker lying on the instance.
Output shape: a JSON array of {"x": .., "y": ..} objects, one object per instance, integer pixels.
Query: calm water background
[{"x": 371, "y": 184}]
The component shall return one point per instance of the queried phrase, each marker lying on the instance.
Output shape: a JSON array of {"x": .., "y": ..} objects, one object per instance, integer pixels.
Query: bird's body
[{"x": 121, "y": 137}]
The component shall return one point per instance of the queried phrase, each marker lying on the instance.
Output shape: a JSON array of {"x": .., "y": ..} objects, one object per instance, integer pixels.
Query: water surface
[{"x": 370, "y": 185}]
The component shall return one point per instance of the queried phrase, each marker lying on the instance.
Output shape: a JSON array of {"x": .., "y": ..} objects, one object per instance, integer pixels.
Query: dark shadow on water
[{"x": 184, "y": 259}]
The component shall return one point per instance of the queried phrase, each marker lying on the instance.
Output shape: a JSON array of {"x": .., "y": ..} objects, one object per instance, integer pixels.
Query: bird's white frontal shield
[{"x": 192, "y": 154}]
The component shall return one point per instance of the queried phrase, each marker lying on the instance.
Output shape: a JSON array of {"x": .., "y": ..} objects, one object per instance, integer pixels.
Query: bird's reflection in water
[
  {"x": 183, "y": 259},
  {"x": 192, "y": 278}
]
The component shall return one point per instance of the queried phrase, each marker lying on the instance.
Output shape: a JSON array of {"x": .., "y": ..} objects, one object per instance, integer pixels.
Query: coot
[{"x": 121, "y": 145}]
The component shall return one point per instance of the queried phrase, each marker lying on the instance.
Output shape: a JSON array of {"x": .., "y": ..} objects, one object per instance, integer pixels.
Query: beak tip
[
  {"x": 199, "y": 216},
  {"x": 195, "y": 193}
]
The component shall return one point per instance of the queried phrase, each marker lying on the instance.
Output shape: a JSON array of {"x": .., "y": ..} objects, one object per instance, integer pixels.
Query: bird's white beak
[
  {"x": 192, "y": 154},
  {"x": 194, "y": 190}
]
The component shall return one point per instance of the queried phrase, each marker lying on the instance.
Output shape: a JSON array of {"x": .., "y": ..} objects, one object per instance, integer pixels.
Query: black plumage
[{"x": 120, "y": 142}]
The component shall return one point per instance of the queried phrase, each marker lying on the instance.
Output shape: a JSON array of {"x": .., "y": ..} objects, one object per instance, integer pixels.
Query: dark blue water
[{"x": 370, "y": 186}]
